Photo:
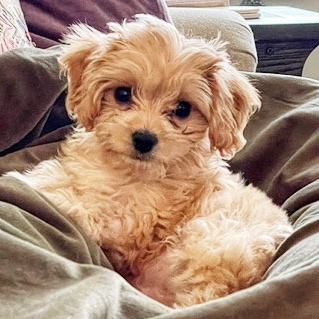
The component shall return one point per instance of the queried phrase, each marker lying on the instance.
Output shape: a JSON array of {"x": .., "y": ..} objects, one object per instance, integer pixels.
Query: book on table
[{"x": 247, "y": 12}]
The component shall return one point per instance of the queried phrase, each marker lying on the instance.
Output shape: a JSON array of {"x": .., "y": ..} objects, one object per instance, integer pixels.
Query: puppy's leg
[
  {"x": 226, "y": 251},
  {"x": 155, "y": 279}
]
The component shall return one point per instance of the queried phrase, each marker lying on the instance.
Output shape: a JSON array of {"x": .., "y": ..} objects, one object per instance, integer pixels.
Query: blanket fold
[{"x": 30, "y": 84}]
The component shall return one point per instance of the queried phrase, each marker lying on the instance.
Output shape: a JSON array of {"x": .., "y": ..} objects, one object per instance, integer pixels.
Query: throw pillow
[
  {"x": 48, "y": 20},
  {"x": 13, "y": 29}
]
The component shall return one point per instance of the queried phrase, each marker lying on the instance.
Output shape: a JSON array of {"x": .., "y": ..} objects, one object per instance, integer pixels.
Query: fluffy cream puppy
[{"x": 144, "y": 174}]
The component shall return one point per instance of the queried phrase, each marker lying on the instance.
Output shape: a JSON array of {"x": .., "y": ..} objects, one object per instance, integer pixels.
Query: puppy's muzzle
[{"x": 144, "y": 141}]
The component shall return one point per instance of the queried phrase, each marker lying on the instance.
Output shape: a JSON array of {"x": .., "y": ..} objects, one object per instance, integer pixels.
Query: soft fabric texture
[
  {"x": 49, "y": 269},
  {"x": 24, "y": 103},
  {"x": 282, "y": 153},
  {"x": 13, "y": 29},
  {"x": 48, "y": 20}
]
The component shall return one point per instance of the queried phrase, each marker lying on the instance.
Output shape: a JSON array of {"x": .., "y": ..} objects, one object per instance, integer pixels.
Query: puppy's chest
[{"x": 150, "y": 197}]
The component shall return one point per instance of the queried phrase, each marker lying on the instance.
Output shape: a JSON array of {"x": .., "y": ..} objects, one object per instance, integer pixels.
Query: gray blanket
[{"x": 49, "y": 269}]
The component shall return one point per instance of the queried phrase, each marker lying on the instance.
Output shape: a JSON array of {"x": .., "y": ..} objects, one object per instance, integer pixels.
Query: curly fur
[{"x": 175, "y": 222}]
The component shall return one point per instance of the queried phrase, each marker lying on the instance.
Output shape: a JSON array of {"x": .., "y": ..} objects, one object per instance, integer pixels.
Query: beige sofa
[{"x": 209, "y": 22}]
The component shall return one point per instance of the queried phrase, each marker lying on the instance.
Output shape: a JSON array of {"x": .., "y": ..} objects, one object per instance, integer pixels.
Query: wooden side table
[{"x": 285, "y": 36}]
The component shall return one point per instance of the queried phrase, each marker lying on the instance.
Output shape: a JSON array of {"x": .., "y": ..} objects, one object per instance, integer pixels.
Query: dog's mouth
[{"x": 143, "y": 157}]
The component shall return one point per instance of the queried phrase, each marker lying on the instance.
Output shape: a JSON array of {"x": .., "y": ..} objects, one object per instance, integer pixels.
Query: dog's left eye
[
  {"x": 183, "y": 110},
  {"x": 123, "y": 94}
]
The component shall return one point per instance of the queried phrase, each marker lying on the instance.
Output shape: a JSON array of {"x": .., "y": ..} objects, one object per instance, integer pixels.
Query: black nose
[{"x": 144, "y": 141}]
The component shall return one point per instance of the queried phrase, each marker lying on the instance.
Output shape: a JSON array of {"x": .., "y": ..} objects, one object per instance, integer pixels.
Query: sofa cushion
[
  {"x": 48, "y": 20},
  {"x": 233, "y": 28}
]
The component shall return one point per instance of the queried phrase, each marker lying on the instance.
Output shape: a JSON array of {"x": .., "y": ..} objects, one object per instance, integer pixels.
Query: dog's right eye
[
  {"x": 183, "y": 110},
  {"x": 123, "y": 94}
]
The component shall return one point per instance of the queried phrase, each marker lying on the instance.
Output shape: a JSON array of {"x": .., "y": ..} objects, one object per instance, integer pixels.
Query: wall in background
[{"x": 311, "y": 68}]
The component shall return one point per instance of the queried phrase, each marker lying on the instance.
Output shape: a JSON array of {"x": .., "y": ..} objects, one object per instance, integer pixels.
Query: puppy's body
[
  {"x": 182, "y": 235},
  {"x": 144, "y": 175}
]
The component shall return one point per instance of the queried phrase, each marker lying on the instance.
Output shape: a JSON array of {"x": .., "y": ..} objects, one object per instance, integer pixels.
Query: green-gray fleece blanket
[{"x": 49, "y": 269}]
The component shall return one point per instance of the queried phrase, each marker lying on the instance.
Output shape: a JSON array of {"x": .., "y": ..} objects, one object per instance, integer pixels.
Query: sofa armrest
[{"x": 207, "y": 22}]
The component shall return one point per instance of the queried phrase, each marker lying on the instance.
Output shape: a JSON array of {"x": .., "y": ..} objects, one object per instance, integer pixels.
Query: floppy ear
[
  {"x": 82, "y": 44},
  {"x": 234, "y": 99}
]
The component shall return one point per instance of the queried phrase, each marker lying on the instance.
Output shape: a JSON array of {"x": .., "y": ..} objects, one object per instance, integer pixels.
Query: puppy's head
[{"x": 149, "y": 93}]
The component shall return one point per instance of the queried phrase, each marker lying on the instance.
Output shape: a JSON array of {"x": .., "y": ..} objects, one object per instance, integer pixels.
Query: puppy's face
[{"x": 149, "y": 94}]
